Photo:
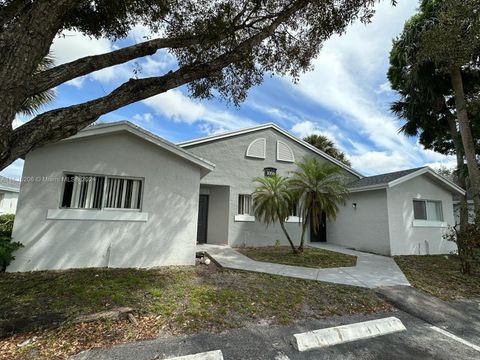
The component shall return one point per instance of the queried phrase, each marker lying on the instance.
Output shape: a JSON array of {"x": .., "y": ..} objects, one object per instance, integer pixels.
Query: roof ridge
[{"x": 263, "y": 127}]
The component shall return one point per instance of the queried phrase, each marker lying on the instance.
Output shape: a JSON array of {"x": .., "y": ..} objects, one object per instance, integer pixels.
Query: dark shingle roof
[
  {"x": 9, "y": 183},
  {"x": 382, "y": 179}
]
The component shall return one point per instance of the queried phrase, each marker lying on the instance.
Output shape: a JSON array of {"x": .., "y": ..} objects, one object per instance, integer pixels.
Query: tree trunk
[
  {"x": 457, "y": 143},
  {"x": 466, "y": 134},
  {"x": 282, "y": 225},
  {"x": 304, "y": 230}
]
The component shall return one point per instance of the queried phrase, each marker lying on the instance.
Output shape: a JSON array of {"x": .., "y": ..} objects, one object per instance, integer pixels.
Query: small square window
[
  {"x": 245, "y": 206},
  {"x": 427, "y": 210}
]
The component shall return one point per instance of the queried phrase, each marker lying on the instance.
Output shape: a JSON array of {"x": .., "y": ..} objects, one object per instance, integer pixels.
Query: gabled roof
[
  {"x": 126, "y": 126},
  {"x": 392, "y": 179},
  {"x": 8, "y": 184},
  {"x": 202, "y": 140}
]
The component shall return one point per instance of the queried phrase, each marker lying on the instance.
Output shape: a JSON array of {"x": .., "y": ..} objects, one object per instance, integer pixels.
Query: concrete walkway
[{"x": 371, "y": 270}]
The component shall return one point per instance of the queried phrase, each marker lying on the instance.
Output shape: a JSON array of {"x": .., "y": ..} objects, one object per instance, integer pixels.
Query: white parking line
[
  {"x": 209, "y": 355},
  {"x": 456, "y": 338},
  {"x": 341, "y": 334}
]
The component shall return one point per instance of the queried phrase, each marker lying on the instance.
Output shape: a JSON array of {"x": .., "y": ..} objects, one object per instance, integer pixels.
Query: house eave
[{"x": 109, "y": 128}]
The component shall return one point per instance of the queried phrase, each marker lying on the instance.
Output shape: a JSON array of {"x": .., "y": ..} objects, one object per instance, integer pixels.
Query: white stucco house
[
  {"x": 115, "y": 195},
  {"x": 9, "y": 190}
]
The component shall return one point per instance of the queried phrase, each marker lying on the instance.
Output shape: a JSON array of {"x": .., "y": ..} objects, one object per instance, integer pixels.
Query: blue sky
[{"x": 345, "y": 97}]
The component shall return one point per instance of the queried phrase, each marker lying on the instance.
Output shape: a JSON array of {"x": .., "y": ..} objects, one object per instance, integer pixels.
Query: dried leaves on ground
[{"x": 37, "y": 309}]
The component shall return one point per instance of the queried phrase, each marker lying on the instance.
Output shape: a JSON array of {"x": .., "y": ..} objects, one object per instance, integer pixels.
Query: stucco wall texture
[
  {"x": 235, "y": 169},
  {"x": 170, "y": 198}
]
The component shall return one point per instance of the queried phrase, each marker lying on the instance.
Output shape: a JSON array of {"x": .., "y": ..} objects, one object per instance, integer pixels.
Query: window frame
[
  {"x": 425, "y": 201},
  {"x": 244, "y": 217},
  {"x": 104, "y": 191}
]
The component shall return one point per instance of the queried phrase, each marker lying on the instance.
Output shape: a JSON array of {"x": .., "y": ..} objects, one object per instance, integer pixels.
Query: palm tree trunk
[
  {"x": 304, "y": 230},
  {"x": 457, "y": 143},
  {"x": 466, "y": 135},
  {"x": 282, "y": 225}
]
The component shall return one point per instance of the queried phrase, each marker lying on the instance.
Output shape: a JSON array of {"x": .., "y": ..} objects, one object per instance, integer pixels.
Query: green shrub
[
  {"x": 7, "y": 247},
  {"x": 6, "y": 224}
]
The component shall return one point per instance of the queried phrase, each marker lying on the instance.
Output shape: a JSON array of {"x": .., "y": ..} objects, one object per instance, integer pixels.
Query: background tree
[
  {"x": 426, "y": 95},
  {"x": 272, "y": 201},
  {"x": 450, "y": 41},
  {"x": 221, "y": 46},
  {"x": 323, "y": 143},
  {"x": 320, "y": 188}
]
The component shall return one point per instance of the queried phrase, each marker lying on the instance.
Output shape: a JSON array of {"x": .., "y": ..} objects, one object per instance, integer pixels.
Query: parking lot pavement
[{"x": 419, "y": 341}]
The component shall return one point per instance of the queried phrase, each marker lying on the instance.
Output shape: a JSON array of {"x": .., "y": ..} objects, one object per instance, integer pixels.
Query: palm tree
[
  {"x": 272, "y": 201},
  {"x": 323, "y": 143},
  {"x": 320, "y": 188},
  {"x": 34, "y": 103}
]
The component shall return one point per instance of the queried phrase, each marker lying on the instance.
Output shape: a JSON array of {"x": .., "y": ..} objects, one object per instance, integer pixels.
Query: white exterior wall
[
  {"x": 364, "y": 227},
  {"x": 170, "y": 198},
  {"x": 407, "y": 239},
  {"x": 8, "y": 204},
  {"x": 234, "y": 169}
]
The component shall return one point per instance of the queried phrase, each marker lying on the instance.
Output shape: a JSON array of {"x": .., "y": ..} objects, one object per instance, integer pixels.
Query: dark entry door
[
  {"x": 202, "y": 219},
  {"x": 321, "y": 234}
]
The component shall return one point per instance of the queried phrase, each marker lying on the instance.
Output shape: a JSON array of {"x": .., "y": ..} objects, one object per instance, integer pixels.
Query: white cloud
[
  {"x": 143, "y": 118},
  {"x": 305, "y": 128},
  {"x": 375, "y": 162},
  {"x": 348, "y": 79},
  {"x": 176, "y": 106},
  {"x": 77, "y": 82},
  {"x": 72, "y": 45},
  {"x": 384, "y": 88}
]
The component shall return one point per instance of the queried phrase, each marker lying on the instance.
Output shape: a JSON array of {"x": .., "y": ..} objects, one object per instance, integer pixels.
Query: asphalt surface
[
  {"x": 459, "y": 318},
  {"x": 419, "y": 341}
]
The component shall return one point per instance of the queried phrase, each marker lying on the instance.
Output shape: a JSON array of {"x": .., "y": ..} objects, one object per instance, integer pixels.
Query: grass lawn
[
  {"x": 175, "y": 300},
  {"x": 312, "y": 258},
  {"x": 440, "y": 276}
]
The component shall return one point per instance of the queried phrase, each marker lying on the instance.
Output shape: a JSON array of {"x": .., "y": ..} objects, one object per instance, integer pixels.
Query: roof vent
[
  {"x": 284, "y": 152},
  {"x": 256, "y": 149}
]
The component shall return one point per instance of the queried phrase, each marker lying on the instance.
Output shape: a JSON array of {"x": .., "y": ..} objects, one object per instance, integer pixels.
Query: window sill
[
  {"x": 294, "y": 219},
  {"x": 244, "y": 218},
  {"x": 96, "y": 215},
  {"x": 429, "y": 223}
]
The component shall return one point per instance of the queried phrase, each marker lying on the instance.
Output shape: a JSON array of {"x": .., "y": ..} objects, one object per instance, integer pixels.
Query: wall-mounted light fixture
[{"x": 354, "y": 205}]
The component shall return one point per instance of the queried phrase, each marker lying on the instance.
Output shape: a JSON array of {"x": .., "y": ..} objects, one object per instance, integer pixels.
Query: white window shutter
[
  {"x": 257, "y": 148},
  {"x": 284, "y": 152}
]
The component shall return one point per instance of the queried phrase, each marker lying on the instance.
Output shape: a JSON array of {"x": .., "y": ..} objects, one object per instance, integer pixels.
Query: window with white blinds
[
  {"x": 97, "y": 192},
  {"x": 245, "y": 205},
  {"x": 123, "y": 193}
]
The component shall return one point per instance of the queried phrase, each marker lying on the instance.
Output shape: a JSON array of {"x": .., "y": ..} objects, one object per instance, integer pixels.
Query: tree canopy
[
  {"x": 222, "y": 48},
  {"x": 426, "y": 101},
  {"x": 323, "y": 143},
  {"x": 434, "y": 68}
]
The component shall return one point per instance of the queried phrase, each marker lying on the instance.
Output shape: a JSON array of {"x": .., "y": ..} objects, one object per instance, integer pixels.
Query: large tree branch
[
  {"x": 61, "y": 123},
  {"x": 55, "y": 76},
  {"x": 23, "y": 44},
  {"x": 12, "y": 9},
  {"x": 68, "y": 71}
]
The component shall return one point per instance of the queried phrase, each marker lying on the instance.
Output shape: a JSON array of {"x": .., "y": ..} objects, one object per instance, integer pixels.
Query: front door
[
  {"x": 319, "y": 235},
  {"x": 202, "y": 219}
]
